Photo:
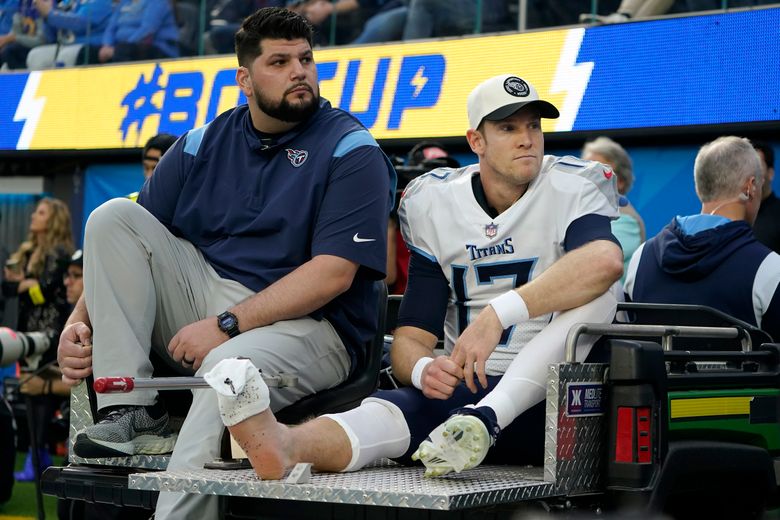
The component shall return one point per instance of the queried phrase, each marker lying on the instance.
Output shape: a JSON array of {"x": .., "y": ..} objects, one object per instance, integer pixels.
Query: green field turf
[{"x": 22, "y": 504}]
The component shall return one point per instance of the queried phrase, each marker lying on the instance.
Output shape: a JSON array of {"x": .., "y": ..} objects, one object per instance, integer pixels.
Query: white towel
[{"x": 241, "y": 391}]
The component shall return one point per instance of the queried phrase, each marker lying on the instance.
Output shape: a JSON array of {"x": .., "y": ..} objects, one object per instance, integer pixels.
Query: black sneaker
[{"x": 126, "y": 431}]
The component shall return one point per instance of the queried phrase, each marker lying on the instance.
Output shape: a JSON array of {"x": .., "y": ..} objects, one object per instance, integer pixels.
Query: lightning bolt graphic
[
  {"x": 419, "y": 81},
  {"x": 29, "y": 110},
  {"x": 571, "y": 77}
]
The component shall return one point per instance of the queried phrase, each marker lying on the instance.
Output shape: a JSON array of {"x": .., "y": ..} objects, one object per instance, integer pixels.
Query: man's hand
[
  {"x": 5, "y": 39},
  {"x": 12, "y": 275},
  {"x": 74, "y": 353},
  {"x": 318, "y": 11},
  {"x": 44, "y": 7},
  {"x": 194, "y": 341},
  {"x": 33, "y": 385},
  {"x": 475, "y": 345},
  {"x": 105, "y": 53},
  {"x": 440, "y": 378}
]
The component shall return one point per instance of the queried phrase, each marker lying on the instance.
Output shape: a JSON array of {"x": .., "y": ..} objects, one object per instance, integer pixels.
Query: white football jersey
[{"x": 483, "y": 257}]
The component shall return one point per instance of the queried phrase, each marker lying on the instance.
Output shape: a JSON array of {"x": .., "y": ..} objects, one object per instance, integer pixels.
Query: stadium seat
[{"x": 53, "y": 55}]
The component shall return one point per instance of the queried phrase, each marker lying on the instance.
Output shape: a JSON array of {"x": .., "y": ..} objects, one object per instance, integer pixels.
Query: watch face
[{"x": 227, "y": 322}]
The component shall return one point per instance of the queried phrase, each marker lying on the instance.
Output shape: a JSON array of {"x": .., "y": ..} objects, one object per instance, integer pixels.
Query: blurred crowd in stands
[{"x": 39, "y": 34}]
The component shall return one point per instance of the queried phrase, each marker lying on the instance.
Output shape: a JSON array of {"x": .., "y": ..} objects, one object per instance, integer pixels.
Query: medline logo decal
[
  {"x": 297, "y": 157},
  {"x": 584, "y": 399}
]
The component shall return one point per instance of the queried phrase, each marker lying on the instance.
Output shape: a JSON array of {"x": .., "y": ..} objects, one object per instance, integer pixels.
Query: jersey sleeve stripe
[
  {"x": 353, "y": 140},
  {"x": 422, "y": 253},
  {"x": 193, "y": 140},
  {"x": 588, "y": 228}
]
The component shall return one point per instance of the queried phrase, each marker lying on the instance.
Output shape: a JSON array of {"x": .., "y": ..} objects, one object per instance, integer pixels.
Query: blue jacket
[
  {"x": 709, "y": 260},
  {"x": 79, "y": 21},
  {"x": 144, "y": 21},
  {"x": 7, "y": 10}
]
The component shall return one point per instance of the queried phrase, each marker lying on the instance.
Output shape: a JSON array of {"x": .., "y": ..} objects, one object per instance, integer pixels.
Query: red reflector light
[
  {"x": 631, "y": 446},
  {"x": 624, "y": 438}
]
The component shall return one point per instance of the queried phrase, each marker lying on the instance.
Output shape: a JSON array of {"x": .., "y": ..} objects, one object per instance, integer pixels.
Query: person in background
[
  {"x": 630, "y": 10},
  {"x": 423, "y": 157},
  {"x": 629, "y": 228},
  {"x": 35, "y": 273},
  {"x": 50, "y": 381},
  {"x": 349, "y": 17},
  {"x": 386, "y": 25},
  {"x": 713, "y": 258},
  {"x": 7, "y": 10},
  {"x": 434, "y": 18},
  {"x": 767, "y": 225},
  {"x": 27, "y": 31},
  {"x": 77, "y": 28},
  {"x": 153, "y": 151},
  {"x": 4, "y": 253},
  {"x": 225, "y": 19},
  {"x": 140, "y": 30}
]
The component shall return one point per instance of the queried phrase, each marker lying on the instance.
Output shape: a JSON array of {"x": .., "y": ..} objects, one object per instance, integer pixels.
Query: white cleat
[{"x": 461, "y": 442}]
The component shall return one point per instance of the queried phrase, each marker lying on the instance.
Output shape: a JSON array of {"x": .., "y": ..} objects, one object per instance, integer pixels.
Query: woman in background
[
  {"x": 629, "y": 229},
  {"x": 34, "y": 273}
]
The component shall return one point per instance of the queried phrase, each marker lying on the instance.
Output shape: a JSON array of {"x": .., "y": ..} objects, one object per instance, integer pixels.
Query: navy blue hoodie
[{"x": 709, "y": 260}]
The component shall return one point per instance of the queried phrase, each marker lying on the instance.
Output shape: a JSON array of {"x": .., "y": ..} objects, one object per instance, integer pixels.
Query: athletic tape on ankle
[
  {"x": 418, "y": 370},
  {"x": 510, "y": 309},
  {"x": 241, "y": 391}
]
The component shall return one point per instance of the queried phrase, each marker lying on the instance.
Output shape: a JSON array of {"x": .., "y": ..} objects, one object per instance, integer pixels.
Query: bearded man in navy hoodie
[{"x": 713, "y": 258}]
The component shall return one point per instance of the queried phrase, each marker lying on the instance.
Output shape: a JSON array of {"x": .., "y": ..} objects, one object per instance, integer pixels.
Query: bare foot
[{"x": 267, "y": 443}]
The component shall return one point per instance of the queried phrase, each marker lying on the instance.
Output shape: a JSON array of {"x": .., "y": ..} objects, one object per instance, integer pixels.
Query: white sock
[
  {"x": 524, "y": 383},
  {"x": 376, "y": 429},
  {"x": 241, "y": 391}
]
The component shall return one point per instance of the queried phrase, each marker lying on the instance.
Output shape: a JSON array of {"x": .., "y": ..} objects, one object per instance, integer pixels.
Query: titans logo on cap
[{"x": 516, "y": 87}]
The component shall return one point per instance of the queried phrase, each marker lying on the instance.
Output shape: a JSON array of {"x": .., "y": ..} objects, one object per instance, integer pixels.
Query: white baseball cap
[{"x": 501, "y": 96}]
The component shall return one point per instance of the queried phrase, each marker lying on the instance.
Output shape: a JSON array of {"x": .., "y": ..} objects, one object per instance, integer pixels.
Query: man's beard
[{"x": 284, "y": 110}]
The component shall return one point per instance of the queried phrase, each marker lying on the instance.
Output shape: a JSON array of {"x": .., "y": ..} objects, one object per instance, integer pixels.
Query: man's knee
[{"x": 105, "y": 220}]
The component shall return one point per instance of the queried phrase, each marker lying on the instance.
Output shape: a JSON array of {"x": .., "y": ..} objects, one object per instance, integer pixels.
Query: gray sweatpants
[{"x": 142, "y": 284}]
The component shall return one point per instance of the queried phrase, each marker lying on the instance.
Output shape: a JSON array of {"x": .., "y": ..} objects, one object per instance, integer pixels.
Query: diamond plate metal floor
[{"x": 384, "y": 484}]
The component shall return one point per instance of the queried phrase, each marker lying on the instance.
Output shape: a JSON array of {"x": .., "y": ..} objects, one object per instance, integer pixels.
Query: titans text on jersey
[{"x": 504, "y": 248}]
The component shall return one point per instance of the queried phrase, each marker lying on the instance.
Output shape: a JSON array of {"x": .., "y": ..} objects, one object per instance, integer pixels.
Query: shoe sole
[
  {"x": 461, "y": 444},
  {"x": 141, "y": 445}
]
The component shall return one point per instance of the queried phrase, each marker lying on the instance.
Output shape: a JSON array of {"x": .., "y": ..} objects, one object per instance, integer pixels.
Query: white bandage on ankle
[
  {"x": 510, "y": 309},
  {"x": 418, "y": 370},
  {"x": 240, "y": 388}
]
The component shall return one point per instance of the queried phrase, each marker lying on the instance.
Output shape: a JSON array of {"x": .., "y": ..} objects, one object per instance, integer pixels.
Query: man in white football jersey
[{"x": 506, "y": 255}]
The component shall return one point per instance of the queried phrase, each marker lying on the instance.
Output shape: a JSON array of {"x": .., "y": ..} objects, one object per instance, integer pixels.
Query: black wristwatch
[{"x": 228, "y": 323}]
